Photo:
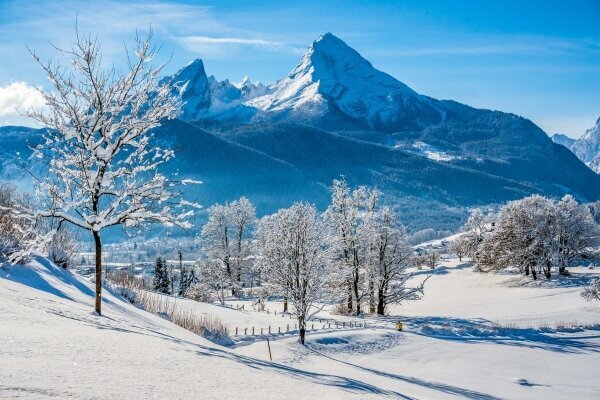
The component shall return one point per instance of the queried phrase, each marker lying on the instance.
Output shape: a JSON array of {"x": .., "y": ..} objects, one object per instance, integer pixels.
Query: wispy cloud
[
  {"x": 513, "y": 46},
  {"x": 16, "y": 98},
  {"x": 224, "y": 46},
  {"x": 180, "y": 27}
]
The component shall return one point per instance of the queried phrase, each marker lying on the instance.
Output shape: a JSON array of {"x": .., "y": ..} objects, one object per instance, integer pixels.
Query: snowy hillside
[
  {"x": 54, "y": 347},
  {"x": 524, "y": 336}
]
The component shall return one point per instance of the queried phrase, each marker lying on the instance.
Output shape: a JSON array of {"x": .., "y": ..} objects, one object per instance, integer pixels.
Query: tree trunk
[
  {"x": 527, "y": 270},
  {"x": 302, "y": 327},
  {"x": 372, "y": 305},
  {"x": 285, "y": 304},
  {"x": 349, "y": 298},
  {"x": 547, "y": 271},
  {"x": 98, "y": 242},
  {"x": 562, "y": 270},
  {"x": 380, "y": 302},
  {"x": 356, "y": 294},
  {"x": 534, "y": 274}
]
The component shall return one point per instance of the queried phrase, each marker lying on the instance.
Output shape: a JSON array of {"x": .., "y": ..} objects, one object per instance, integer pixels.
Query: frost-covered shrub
[
  {"x": 340, "y": 309},
  {"x": 61, "y": 249},
  {"x": 15, "y": 229},
  {"x": 592, "y": 292},
  {"x": 209, "y": 327},
  {"x": 200, "y": 292}
]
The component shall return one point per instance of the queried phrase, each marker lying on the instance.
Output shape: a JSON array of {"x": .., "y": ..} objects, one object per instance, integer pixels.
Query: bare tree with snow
[
  {"x": 103, "y": 168},
  {"x": 474, "y": 231},
  {"x": 347, "y": 217},
  {"x": 227, "y": 236},
  {"x": 390, "y": 258},
  {"x": 536, "y": 235},
  {"x": 576, "y": 232},
  {"x": 295, "y": 259},
  {"x": 243, "y": 217}
]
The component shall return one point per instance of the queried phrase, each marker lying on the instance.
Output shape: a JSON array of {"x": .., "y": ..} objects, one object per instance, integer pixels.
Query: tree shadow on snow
[
  {"x": 483, "y": 331},
  {"x": 441, "y": 387}
]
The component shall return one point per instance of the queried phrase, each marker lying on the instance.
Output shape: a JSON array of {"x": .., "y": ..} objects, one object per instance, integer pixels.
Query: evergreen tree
[{"x": 162, "y": 280}]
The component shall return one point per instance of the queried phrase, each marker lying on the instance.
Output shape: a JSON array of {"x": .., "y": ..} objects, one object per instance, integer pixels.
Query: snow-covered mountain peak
[
  {"x": 331, "y": 76},
  {"x": 192, "y": 85},
  {"x": 193, "y": 75},
  {"x": 587, "y": 147}
]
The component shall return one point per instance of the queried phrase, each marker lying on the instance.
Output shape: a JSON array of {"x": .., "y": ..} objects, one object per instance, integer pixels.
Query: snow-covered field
[{"x": 473, "y": 336}]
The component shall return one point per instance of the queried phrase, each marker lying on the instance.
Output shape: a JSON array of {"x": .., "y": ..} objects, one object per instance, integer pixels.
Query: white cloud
[
  {"x": 224, "y": 46},
  {"x": 16, "y": 98}
]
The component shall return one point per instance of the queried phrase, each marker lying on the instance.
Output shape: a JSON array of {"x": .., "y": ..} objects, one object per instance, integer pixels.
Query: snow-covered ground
[{"x": 473, "y": 336}]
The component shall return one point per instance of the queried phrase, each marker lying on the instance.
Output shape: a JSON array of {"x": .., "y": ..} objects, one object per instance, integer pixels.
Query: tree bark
[
  {"x": 380, "y": 302},
  {"x": 547, "y": 270},
  {"x": 562, "y": 270},
  {"x": 349, "y": 304},
  {"x": 356, "y": 294},
  {"x": 372, "y": 305},
  {"x": 302, "y": 327},
  {"x": 285, "y": 304},
  {"x": 98, "y": 242}
]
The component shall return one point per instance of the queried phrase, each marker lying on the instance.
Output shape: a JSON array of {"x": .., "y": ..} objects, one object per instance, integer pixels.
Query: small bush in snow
[
  {"x": 592, "y": 292},
  {"x": 200, "y": 292},
  {"x": 61, "y": 249},
  {"x": 15, "y": 229}
]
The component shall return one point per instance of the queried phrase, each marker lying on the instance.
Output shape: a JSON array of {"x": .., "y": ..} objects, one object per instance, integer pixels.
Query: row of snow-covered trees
[
  {"x": 536, "y": 235},
  {"x": 355, "y": 253}
]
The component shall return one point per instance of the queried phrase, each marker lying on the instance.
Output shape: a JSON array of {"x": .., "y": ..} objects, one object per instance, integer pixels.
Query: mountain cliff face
[
  {"x": 586, "y": 148},
  {"x": 563, "y": 140},
  {"x": 335, "y": 114}
]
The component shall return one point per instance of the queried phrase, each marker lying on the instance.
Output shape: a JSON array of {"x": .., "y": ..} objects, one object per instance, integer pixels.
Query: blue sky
[{"x": 539, "y": 59}]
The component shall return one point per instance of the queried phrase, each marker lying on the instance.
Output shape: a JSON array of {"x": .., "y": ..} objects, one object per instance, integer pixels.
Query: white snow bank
[{"x": 54, "y": 346}]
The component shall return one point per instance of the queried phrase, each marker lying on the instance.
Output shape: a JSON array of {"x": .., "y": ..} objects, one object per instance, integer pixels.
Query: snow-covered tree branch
[
  {"x": 104, "y": 169},
  {"x": 295, "y": 259}
]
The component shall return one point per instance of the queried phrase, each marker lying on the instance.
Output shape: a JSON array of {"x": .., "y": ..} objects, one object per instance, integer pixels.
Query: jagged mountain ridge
[
  {"x": 334, "y": 114},
  {"x": 586, "y": 148}
]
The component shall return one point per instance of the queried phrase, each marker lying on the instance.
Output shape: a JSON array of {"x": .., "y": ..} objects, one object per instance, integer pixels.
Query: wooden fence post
[{"x": 269, "y": 346}]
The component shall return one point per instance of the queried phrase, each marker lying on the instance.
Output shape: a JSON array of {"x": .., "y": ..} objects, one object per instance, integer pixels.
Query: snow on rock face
[
  {"x": 192, "y": 85},
  {"x": 587, "y": 148},
  {"x": 205, "y": 96},
  {"x": 333, "y": 75},
  {"x": 564, "y": 140}
]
